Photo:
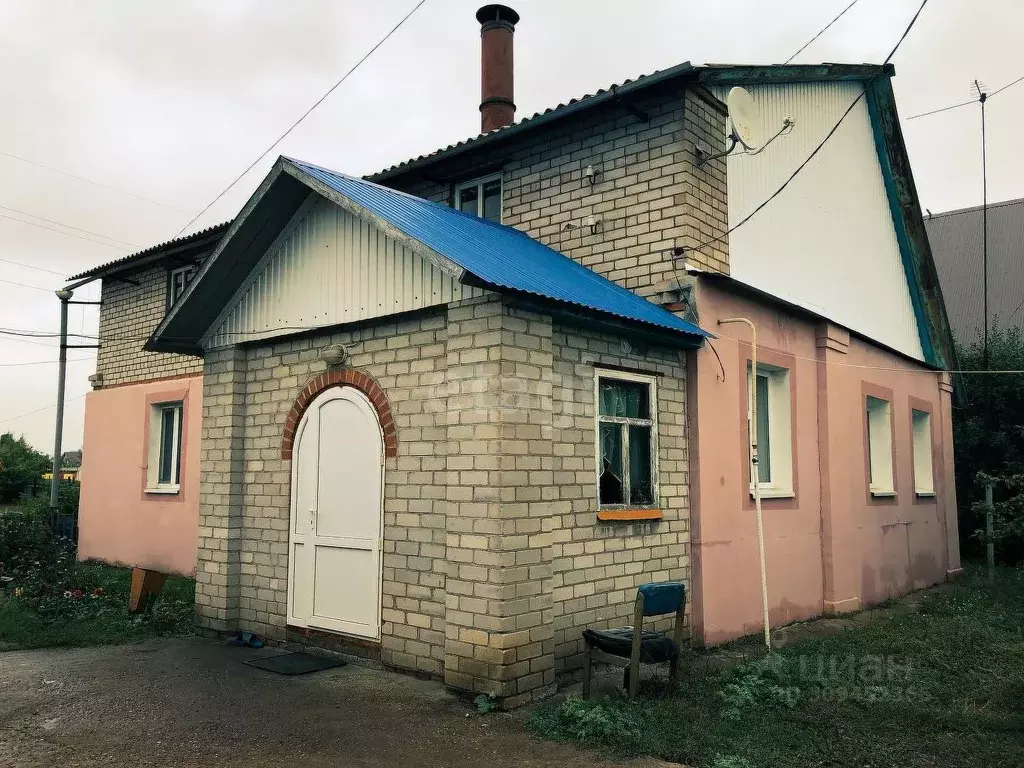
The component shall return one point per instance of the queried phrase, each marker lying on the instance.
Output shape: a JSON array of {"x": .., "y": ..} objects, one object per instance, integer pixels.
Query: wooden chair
[{"x": 628, "y": 647}]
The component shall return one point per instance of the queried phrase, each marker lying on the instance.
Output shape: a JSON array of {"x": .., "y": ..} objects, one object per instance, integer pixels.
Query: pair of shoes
[{"x": 248, "y": 639}]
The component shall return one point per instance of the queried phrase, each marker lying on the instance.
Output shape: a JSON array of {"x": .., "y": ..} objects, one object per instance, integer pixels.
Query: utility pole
[
  {"x": 62, "y": 364},
  {"x": 982, "y": 98}
]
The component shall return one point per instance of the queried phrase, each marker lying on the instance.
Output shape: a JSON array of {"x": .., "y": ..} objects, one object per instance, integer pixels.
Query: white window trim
[
  {"x": 880, "y": 445},
  {"x": 153, "y": 484},
  {"x": 479, "y": 184},
  {"x": 652, "y": 383},
  {"x": 780, "y": 431},
  {"x": 172, "y": 299},
  {"x": 926, "y": 472}
]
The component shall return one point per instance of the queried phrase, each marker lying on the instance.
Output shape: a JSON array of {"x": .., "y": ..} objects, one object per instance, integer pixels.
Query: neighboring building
[
  {"x": 957, "y": 241},
  {"x": 139, "y": 501},
  {"x": 429, "y": 436}
]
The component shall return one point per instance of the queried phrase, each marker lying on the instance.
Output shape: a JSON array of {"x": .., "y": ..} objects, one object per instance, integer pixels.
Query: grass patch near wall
[
  {"x": 938, "y": 683},
  {"x": 48, "y": 599}
]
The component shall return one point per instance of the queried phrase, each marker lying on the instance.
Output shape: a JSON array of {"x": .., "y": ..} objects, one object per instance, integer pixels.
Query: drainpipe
[{"x": 752, "y": 432}]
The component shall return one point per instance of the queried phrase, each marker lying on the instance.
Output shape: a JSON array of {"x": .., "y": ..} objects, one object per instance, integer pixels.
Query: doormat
[{"x": 295, "y": 663}]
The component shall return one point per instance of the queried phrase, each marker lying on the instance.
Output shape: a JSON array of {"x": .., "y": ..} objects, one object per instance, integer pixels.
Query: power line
[
  {"x": 821, "y": 32},
  {"x": 44, "y": 408},
  {"x": 67, "y": 226},
  {"x": 305, "y": 114},
  {"x": 1010, "y": 85},
  {"x": 966, "y": 103},
  {"x": 944, "y": 109},
  {"x": 823, "y": 142},
  {"x": 45, "y": 362},
  {"x": 91, "y": 181},
  {"x": 61, "y": 232},
  {"x": 26, "y": 285},
  {"x": 32, "y": 266}
]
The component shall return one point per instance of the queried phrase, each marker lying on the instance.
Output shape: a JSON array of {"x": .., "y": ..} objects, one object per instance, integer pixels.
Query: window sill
[
  {"x": 925, "y": 494},
  {"x": 164, "y": 490},
  {"x": 629, "y": 515},
  {"x": 880, "y": 493},
  {"x": 775, "y": 493}
]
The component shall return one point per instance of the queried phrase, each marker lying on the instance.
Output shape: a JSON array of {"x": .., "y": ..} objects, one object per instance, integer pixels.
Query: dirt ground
[{"x": 192, "y": 702}]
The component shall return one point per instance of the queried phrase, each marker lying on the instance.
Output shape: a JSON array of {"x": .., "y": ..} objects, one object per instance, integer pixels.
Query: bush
[
  {"x": 602, "y": 722},
  {"x": 988, "y": 436}
]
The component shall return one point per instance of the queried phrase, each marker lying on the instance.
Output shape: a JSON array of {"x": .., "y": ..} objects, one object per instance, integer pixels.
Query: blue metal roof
[{"x": 499, "y": 255}]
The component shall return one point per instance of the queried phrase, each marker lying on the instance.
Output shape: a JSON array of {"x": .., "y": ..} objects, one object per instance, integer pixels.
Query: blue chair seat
[{"x": 655, "y": 647}]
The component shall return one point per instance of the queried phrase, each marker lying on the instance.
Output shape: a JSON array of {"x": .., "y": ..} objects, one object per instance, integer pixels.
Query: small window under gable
[
  {"x": 177, "y": 283},
  {"x": 480, "y": 197},
  {"x": 881, "y": 479},
  {"x": 924, "y": 478}
]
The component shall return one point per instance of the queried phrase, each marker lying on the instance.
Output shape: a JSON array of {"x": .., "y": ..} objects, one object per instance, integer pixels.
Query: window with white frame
[
  {"x": 481, "y": 197},
  {"x": 165, "y": 447},
  {"x": 627, "y": 440},
  {"x": 774, "y": 430},
  {"x": 178, "y": 281},
  {"x": 881, "y": 481},
  {"x": 924, "y": 479}
]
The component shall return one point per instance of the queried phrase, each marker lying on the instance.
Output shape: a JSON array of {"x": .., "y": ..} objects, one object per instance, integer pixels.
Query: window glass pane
[
  {"x": 468, "y": 200},
  {"x": 610, "y": 485},
  {"x": 871, "y": 443},
  {"x": 641, "y": 478},
  {"x": 764, "y": 453},
  {"x": 167, "y": 429},
  {"x": 177, "y": 456},
  {"x": 627, "y": 399},
  {"x": 492, "y": 200}
]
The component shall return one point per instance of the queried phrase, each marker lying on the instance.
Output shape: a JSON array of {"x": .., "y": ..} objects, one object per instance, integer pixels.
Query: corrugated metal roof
[
  {"x": 125, "y": 262},
  {"x": 735, "y": 74},
  {"x": 956, "y": 242},
  {"x": 499, "y": 255}
]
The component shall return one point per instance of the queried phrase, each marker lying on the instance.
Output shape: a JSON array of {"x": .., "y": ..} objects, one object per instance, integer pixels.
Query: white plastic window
[
  {"x": 165, "y": 448},
  {"x": 881, "y": 481},
  {"x": 924, "y": 479},
  {"x": 774, "y": 431},
  {"x": 480, "y": 197}
]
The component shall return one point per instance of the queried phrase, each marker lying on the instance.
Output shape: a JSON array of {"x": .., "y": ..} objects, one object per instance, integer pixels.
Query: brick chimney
[{"x": 497, "y": 25}]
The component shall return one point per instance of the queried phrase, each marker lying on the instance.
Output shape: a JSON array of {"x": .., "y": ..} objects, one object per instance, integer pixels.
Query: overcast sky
[{"x": 170, "y": 101}]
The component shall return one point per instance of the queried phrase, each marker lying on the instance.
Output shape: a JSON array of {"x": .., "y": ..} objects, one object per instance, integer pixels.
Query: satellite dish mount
[{"x": 744, "y": 127}]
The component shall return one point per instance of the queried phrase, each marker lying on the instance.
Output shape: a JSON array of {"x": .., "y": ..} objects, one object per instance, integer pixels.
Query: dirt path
[{"x": 191, "y": 702}]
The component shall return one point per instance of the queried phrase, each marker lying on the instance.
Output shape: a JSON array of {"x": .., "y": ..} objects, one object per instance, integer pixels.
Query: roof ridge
[{"x": 975, "y": 208}]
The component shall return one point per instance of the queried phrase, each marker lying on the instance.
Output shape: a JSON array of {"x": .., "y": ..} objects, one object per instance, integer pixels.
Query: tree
[
  {"x": 988, "y": 438},
  {"x": 20, "y": 467},
  {"x": 71, "y": 459}
]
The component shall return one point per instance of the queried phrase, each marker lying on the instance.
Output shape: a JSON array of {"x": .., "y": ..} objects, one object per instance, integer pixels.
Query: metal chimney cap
[{"x": 492, "y": 13}]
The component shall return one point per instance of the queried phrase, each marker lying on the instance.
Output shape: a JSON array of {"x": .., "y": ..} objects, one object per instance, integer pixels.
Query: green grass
[
  {"x": 942, "y": 685},
  {"x": 68, "y": 621}
]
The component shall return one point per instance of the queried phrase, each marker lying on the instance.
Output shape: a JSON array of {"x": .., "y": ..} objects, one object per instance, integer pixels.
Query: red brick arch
[{"x": 342, "y": 378}]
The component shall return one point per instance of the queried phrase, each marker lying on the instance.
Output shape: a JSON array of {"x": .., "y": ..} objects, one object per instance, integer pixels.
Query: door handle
[{"x": 312, "y": 520}]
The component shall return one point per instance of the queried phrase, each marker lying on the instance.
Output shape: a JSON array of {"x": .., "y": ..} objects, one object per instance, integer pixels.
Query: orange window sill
[{"x": 615, "y": 515}]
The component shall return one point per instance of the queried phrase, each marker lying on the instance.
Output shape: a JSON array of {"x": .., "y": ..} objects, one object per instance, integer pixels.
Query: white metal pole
[{"x": 755, "y": 482}]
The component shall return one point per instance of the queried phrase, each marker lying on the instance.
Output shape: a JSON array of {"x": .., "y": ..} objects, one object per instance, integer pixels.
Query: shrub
[{"x": 608, "y": 722}]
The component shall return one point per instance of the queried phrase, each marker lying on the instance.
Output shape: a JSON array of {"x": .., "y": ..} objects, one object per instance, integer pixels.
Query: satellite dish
[{"x": 744, "y": 118}]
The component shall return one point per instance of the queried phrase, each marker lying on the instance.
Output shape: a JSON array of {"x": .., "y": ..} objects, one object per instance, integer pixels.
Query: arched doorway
[{"x": 336, "y": 520}]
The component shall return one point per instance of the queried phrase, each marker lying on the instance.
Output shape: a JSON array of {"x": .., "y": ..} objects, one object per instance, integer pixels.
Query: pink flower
[{"x": 77, "y": 594}]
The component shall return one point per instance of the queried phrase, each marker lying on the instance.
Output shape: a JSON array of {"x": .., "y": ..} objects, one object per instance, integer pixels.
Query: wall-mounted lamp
[
  {"x": 592, "y": 173},
  {"x": 334, "y": 354},
  {"x": 592, "y": 223}
]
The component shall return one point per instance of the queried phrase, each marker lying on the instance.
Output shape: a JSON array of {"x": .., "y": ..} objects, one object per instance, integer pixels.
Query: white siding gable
[
  {"x": 330, "y": 267},
  {"x": 827, "y": 242}
]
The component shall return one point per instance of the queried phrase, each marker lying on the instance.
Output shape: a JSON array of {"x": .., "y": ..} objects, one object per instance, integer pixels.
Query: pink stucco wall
[
  {"x": 831, "y": 547},
  {"x": 118, "y": 521}
]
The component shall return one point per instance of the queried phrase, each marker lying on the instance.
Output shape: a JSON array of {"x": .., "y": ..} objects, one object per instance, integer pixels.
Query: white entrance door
[{"x": 334, "y": 565}]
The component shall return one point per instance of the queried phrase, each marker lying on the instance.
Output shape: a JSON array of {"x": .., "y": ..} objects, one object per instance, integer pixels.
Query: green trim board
[{"x": 905, "y": 207}]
